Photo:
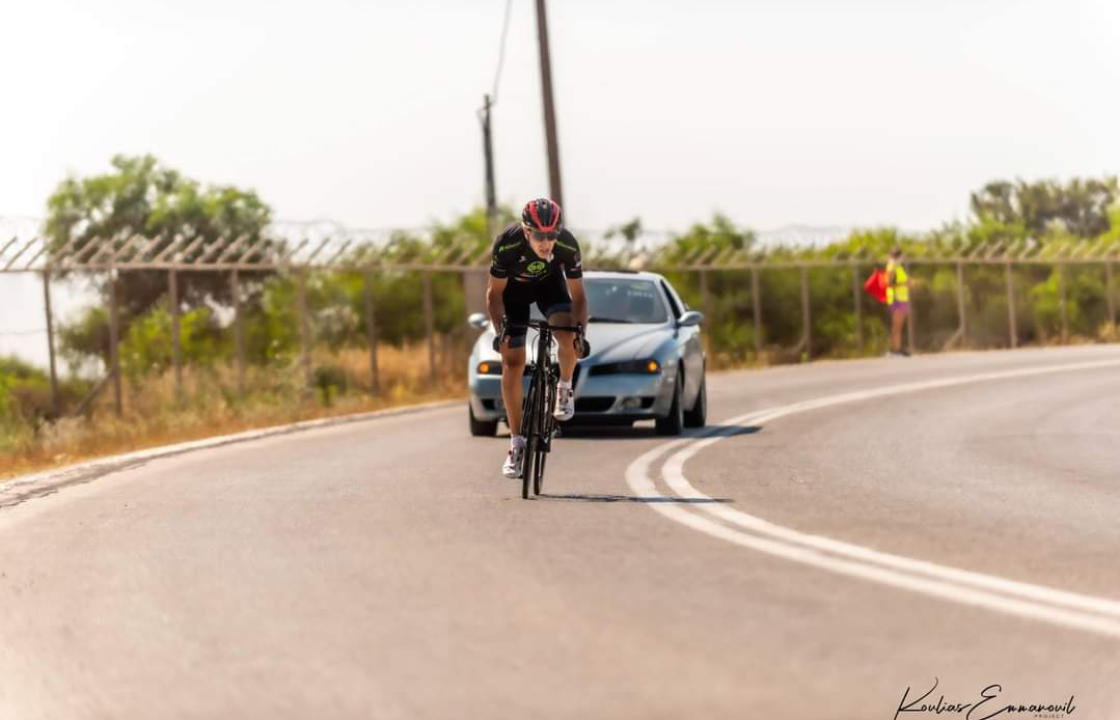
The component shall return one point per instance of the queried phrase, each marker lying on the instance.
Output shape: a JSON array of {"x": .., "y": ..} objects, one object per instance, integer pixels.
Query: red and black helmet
[{"x": 543, "y": 216}]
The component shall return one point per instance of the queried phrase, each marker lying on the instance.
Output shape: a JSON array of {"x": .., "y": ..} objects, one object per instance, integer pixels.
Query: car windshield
[{"x": 624, "y": 301}]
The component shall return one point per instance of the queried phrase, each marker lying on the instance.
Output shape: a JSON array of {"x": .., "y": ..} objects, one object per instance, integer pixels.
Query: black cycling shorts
[{"x": 551, "y": 296}]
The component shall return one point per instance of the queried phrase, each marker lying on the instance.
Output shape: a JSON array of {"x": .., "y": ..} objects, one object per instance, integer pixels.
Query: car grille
[{"x": 594, "y": 404}]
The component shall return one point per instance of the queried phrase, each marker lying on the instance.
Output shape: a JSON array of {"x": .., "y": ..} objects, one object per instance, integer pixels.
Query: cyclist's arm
[
  {"x": 579, "y": 301},
  {"x": 495, "y": 308}
]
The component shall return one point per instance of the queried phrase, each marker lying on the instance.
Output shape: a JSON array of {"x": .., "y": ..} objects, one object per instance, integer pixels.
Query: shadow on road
[
  {"x": 592, "y": 432},
  {"x": 595, "y": 497},
  {"x": 614, "y": 433}
]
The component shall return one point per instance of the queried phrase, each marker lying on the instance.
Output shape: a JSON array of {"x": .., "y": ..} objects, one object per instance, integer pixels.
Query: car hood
[{"x": 617, "y": 342}]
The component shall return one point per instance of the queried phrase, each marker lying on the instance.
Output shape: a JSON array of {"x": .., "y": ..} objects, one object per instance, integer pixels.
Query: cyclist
[{"x": 536, "y": 261}]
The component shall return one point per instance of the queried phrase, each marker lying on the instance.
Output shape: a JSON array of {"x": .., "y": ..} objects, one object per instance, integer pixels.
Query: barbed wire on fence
[{"x": 403, "y": 250}]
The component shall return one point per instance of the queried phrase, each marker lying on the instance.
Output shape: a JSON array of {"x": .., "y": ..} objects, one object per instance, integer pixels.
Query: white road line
[{"x": 1083, "y": 612}]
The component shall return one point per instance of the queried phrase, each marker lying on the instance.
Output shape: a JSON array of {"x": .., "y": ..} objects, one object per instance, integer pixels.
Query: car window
[{"x": 624, "y": 301}]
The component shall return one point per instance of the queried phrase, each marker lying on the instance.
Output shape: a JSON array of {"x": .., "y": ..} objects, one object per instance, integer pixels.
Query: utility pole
[
  {"x": 488, "y": 151},
  {"x": 549, "y": 107}
]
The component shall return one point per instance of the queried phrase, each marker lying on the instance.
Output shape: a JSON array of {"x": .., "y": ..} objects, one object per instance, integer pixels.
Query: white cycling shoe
[
  {"x": 565, "y": 404},
  {"x": 511, "y": 468}
]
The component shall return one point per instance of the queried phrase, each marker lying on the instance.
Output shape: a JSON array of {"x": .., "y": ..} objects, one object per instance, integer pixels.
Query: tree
[
  {"x": 720, "y": 235},
  {"x": 1080, "y": 207},
  {"x": 143, "y": 197}
]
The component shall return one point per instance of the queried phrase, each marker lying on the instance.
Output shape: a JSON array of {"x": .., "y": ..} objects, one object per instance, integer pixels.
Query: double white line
[{"x": 1083, "y": 612}]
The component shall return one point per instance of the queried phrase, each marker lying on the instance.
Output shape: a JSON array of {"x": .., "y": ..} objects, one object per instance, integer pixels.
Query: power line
[{"x": 501, "y": 54}]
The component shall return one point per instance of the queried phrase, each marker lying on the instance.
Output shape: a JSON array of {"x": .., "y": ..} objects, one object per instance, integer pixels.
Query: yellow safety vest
[{"x": 897, "y": 288}]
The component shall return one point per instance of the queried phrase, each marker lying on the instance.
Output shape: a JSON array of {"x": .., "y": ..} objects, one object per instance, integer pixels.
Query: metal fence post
[
  {"x": 304, "y": 326},
  {"x": 910, "y": 320},
  {"x": 962, "y": 316},
  {"x": 114, "y": 339},
  {"x": 1109, "y": 293},
  {"x": 705, "y": 306},
  {"x": 756, "y": 307},
  {"x": 176, "y": 339},
  {"x": 857, "y": 300},
  {"x": 371, "y": 335},
  {"x": 806, "y": 315},
  {"x": 1061, "y": 268},
  {"x": 55, "y": 410},
  {"x": 238, "y": 332},
  {"x": 429, "y": 324},
  {"x": 1012, "y": 327}
]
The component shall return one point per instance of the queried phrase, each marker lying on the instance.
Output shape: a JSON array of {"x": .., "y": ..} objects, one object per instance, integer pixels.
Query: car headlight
[
  {"x": 630, "y": 367},
  {"x": 489, "y": 367}
]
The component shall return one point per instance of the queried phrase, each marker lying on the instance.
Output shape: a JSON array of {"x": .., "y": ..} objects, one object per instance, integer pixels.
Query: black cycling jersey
[{"x": 513, "y": 258}]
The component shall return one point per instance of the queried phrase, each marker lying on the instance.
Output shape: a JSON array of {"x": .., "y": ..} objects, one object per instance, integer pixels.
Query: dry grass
[{"x": 212, "y": 405}]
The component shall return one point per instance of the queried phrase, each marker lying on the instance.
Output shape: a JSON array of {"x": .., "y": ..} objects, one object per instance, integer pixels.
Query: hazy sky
[{"x": 363, "y": 111}]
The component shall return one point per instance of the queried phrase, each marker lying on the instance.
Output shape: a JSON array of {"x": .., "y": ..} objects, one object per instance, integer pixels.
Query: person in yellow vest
[{"x": 898, "y": 300}]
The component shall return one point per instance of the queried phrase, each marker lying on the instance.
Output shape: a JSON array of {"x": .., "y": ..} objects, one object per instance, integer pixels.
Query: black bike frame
[{"x": 537, "y": 423}]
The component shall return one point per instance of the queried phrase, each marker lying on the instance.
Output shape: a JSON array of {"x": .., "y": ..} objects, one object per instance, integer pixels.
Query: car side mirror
[
  {"x": 691, "y": 318},
  {"x": 479, "y": 321}
]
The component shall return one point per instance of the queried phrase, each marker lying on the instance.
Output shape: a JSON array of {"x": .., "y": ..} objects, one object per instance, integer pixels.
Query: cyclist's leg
[
  {"x": 555, "y": 303},
  {"x": 513, "y": 354}
]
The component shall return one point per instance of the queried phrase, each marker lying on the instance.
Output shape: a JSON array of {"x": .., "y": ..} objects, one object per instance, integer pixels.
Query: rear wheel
[
  {"x": 698, "y": 415},
  {"x": 482, "y": 428},
  {"x": 673, "y": 423}
]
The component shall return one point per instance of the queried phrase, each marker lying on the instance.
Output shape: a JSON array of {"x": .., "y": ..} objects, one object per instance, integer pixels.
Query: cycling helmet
[{"x": 542, "y": 216}]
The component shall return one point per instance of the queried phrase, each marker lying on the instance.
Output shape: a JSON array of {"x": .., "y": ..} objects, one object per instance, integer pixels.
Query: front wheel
[
  {"x": 538, "y": 470},
  {"x": 698, "y": 415},
  {"x": 546, "y": 428},
  {"x": 482, "y": 428},
  {"x": 529, "y": 464},
  {"x": 530, "y": 429}
]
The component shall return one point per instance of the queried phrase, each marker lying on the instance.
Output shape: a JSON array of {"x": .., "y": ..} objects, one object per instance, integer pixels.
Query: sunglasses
[{"x": 542, "y": 237}]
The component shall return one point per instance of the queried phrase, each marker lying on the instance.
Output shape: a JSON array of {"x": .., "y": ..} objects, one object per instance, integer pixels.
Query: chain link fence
[{"x": 307, "y": 310}]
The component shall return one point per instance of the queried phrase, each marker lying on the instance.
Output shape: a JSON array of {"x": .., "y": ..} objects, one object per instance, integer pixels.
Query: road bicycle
[{"x": 538, "y": 426}]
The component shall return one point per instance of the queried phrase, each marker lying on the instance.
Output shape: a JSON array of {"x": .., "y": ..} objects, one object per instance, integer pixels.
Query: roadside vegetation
[{"x": 143, "y": 197}]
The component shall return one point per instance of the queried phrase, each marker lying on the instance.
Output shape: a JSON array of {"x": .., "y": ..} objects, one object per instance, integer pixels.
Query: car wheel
[
  {"x": 673, "y": 423},
  {"x": 698, "y": 415},
  {"x": 482, "y": 428}
]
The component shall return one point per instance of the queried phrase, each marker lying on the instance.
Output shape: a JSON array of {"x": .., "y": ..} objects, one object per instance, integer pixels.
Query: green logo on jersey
[{"x": 536, "y": 267}]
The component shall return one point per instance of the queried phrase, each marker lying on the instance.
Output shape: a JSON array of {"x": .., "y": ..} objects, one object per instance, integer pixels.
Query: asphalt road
[{"x": 850, "y": 535}]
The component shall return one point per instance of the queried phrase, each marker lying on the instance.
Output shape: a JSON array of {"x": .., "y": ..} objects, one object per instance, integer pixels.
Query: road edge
[{"x": 19, "y": 488}]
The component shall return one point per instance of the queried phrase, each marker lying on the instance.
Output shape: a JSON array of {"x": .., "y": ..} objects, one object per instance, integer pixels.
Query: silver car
[{"x": 646, "y": 362}]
